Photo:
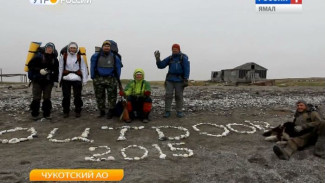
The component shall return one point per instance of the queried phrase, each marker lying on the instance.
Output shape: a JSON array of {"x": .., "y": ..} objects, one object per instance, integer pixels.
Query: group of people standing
[
  {"x": 46, "y": 71},
  {"x": 70, "y": 72}
]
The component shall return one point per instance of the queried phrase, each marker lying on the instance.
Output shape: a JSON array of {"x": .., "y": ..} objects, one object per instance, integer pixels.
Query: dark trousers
[
  {"x": 137, "y": 107},
  {"x": 66, "y": 90},
  {"x": 39, "y": 89}
]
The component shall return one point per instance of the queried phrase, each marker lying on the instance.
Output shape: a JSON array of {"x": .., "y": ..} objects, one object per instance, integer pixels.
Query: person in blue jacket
[
  {"x": 176, "y": 79},
  {"x": 105, "y": 70}
]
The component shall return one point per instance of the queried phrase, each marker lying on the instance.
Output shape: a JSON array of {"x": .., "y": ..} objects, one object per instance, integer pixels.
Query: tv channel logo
[
  {"x": 54, "y": 2},
  {"x": 278, "y": 6},
  {"x": 44, "y": 2}
]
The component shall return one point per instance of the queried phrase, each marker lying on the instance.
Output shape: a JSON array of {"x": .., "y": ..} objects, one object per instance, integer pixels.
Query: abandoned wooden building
[{"x": 247, "y": 73}]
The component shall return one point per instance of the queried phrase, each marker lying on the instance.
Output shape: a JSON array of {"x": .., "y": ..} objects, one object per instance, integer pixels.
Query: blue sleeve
[
  {"x": 118, "y": 66},
  {"x": 186, "y": 67},
  {"x": 93, "y": 61},
  {"x": 162, "y": 64}
]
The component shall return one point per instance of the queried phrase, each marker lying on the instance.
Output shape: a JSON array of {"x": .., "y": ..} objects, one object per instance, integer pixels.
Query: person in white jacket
[{"x": 72, "y": 74}]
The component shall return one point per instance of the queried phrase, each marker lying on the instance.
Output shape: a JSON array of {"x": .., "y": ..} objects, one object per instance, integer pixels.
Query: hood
[
  {"x": 138, "y": 70},
  {"x": 49, "y": 44},
  {"x": 70, "y": 45}
]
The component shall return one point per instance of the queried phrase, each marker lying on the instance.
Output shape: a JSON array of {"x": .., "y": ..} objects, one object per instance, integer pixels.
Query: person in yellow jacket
[{"x": 138, "y": 93}]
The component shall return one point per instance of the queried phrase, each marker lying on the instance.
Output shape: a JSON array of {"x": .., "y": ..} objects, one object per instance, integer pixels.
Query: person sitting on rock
[
  {"x": 308, "y": 127},
  {"x": 138, "y": 93}
]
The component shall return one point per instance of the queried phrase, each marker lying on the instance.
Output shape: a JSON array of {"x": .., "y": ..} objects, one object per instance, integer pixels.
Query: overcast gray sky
[{"x": 215, "y": 34}]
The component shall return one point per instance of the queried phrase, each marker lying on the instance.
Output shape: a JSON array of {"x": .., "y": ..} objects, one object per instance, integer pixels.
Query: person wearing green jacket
[{"x": 138, "y": 93}]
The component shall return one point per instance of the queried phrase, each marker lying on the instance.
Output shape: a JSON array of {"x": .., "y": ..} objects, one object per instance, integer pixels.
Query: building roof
[{"x": 247, "y": 66}]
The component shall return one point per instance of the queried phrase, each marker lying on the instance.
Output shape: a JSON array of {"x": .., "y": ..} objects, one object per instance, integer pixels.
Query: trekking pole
[{"x": 125, "y": 114}]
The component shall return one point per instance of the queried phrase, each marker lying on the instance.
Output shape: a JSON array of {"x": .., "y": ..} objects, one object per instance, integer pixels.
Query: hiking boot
[
  {"x": 281, "y": 143},
  {"x": 110, "y": 114},
  {"x": 145, "y": 121},
  {"x": 319, "y": 149},
  {"x": 128, "y": 121},
  {"x": 180, "y": 114},
  {"x": 35, "y": 118},
  {"x": 281, "y": 153},
  {"x": 167, "y": 114},
  {"x": 272, "y": 138},
  {"x": 267, "y": 133},
  {"x": 65, "y": 115},
  {"x": 78, "y": 114},
  {"x": 47, "y": 116},
  {"x": 101, "y": 114}
]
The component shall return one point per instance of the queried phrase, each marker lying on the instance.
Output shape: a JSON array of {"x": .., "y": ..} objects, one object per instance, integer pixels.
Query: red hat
[{"x": 176, "y": 46}]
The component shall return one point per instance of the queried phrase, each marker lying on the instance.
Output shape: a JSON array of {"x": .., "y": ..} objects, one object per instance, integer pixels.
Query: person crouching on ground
[
  {"x": 44, "y": 68},
  {"x": 72, "y": 73},
  {"x": 138, "y": 93},
  {"x": 309, "y": 128}
]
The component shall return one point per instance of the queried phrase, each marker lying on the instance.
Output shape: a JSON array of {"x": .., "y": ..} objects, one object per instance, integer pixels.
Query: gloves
[
  {"x": 298, "y": 129},
  {"x": 121, "y": 93},
  {"x": 147, "y": 93},
  {"x": 55, "y": 84},
  {"x": 157, "y": 54},
  {"x": 185, "y": 83},
  {"x": 43, "y": 72},
  {"x": 79, "y": 73},
  {"x": 65, "y": 72}
]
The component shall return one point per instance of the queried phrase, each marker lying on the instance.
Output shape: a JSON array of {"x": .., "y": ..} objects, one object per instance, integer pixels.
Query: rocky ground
[{"x": 236, "y": 157}]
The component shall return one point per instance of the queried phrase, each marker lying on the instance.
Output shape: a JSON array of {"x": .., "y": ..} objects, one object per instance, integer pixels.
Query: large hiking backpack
[
  {"x": 64, "y": 52},
  {"x": 311, "y": 108},
  {"x": 180, "y": 61},
  {"x": 114, "y": 50},
  {"x": 41, "y": 50}
]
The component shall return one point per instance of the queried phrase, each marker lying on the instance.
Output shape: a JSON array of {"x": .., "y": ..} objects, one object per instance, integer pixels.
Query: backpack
[
  {"x": 64, "y": 53},
  {"x": 114, "y": 50},
  {"x": 180, "y": 61},
  {"x": 41, "y": 50},
  {"x": 311, "y": 108}
]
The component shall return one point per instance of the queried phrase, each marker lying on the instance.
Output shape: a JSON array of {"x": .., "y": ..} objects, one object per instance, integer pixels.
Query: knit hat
[
  {"x": 106, "y": 42},
  {"x": 301, "y": 101},
  {"x": 176, "y": 46}
]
